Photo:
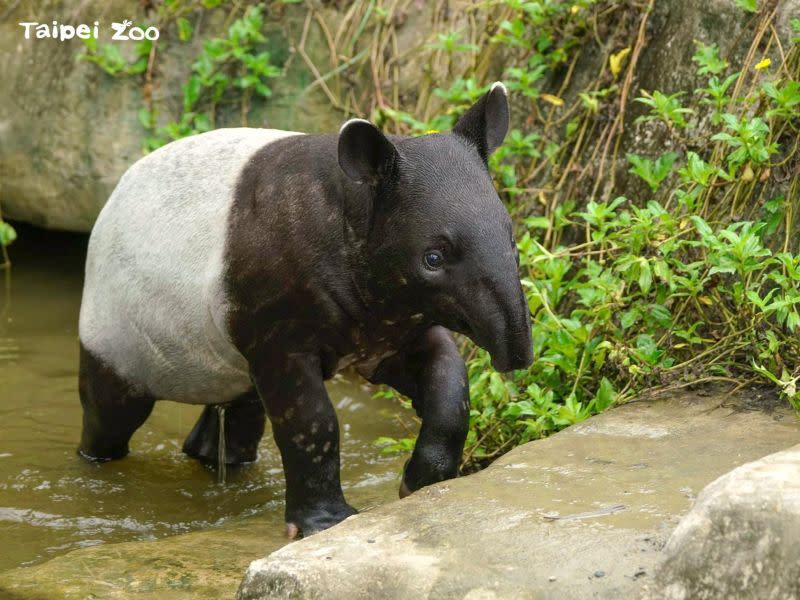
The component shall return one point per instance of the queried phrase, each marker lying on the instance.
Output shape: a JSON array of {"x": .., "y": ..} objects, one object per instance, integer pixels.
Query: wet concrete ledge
[{"x": 583, "y": 514}]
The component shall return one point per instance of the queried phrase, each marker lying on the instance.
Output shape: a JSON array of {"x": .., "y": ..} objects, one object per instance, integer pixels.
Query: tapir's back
[{"x": 153, "y": 306}]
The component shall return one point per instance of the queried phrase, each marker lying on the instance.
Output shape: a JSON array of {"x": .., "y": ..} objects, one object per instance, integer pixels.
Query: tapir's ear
[
  {"x": 485, "y": 124},
  {"x": 365, "y": 155}
]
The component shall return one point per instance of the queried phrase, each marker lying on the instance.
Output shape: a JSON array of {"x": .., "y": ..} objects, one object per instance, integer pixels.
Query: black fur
[
  {"x": 113, "y": 409},
  {"x": 244, "y": 428}
]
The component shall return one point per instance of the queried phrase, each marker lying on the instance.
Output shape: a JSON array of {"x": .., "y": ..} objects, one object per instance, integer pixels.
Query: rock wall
[{"x": 68, "y": 130}]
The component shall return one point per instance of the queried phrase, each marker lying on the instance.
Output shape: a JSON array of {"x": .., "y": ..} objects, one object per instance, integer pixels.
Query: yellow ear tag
[{"x": 763, "y": 64}]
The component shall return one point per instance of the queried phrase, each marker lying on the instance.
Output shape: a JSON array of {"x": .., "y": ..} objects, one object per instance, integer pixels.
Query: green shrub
[{"x": 654, "y": 292}]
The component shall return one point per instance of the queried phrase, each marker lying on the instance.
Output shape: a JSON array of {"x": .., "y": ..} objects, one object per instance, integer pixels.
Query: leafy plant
[
  {"x": 785, "y": 98},
  {"x": 225, "y": 64},
  {"x": 716, "y": 95},
  {"x": 228, "y": 69},
  {"x": 750, "y": 6},
  {"x": 708, "y": 60},
  {"x": 653, "y": 172},
  {"x": 749, "y": 140},
  {"x": 667, "y": 109},
  {"x": 450, "y": 42},
  {"x": 110, "y": 60},
  {"x": 649, "y": 295}
]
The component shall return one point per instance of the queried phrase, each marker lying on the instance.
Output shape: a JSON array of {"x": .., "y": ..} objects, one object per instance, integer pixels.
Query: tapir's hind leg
[
  {"x": 244, "y": 427},
  {"x": 113, "y": 409}
]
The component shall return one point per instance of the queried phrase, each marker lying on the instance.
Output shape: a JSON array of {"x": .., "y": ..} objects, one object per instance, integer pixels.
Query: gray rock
[
  {"x": 742, "y": 537},
  {"x": 543, "y": 521},
  {"x": 68, "y": 130}
]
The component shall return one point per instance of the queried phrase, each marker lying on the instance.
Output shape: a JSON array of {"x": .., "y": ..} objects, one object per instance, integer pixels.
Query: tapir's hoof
[
  {"x": 241, "y": 442},
  {"x": 209, "y": 455},
  {"x": 405, "y": 490},
  {"x": 101, "y": 456},
  {"x": 316, "y": 520},
  {"x": 292, "y": 531}
]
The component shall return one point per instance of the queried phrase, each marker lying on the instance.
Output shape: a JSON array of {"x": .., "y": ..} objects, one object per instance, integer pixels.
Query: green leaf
[
  {"x": 647, "y": 345},
  {"x": 702, "y": 227},
  {"x": 707, "y": 57},
  {"x": 750, "y": 6},
  {"x": 645, "y": 275},
  {"x": 185, "y": 29},
  {"x": 191, "y": 92},
  {"x": 146, "y": 117},
  {"x": 7, "y": 234},
  {"x": 629, "y": 318},
  {"x": 496, "y": 386},
  {"x": 537, "y": 223},
  {"x": 653, "y": 172},
  {"x": 605, "y": 396}
]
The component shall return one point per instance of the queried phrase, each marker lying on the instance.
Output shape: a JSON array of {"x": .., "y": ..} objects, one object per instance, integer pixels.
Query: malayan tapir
[{"x": 245, "y": 267}]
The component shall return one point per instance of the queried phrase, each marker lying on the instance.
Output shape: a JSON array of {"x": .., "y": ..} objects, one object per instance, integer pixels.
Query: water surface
[{"x": 52, "y": 502}]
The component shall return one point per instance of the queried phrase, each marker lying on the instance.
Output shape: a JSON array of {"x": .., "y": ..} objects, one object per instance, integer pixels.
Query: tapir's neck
[
  {"x": 298, "y": 249},
  {"x": 356, "y": 202}
]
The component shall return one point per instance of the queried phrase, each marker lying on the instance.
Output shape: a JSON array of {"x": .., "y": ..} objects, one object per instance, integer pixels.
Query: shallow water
[{"x": 52, "y": 502}]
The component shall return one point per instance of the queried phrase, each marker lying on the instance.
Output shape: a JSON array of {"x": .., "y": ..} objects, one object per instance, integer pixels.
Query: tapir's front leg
[
  {"x": 432, "y": 373},
  {"x": 307, "y": 433}
]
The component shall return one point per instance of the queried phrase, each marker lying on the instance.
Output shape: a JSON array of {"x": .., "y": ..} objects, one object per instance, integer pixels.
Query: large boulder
[{"x": 742, "y": 537}]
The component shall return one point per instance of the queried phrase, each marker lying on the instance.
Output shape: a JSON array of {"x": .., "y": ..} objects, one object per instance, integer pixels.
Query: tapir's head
[{"x": 440, "y": 244}]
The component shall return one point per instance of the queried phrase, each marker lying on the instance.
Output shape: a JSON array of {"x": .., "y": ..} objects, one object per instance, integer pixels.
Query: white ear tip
[
  {"x": 499, "y": 85},
  {"x": 352, "y": 122}
]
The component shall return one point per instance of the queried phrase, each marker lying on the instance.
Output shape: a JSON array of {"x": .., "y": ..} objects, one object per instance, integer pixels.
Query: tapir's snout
[{"x": 501, "y": 324}]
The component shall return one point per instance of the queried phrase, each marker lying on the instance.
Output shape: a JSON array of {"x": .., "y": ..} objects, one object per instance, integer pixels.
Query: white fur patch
[
  {"x": 501, "y": 85},
  {"x": 350, "y": 122},
  {"x": 153, "y": 306}
]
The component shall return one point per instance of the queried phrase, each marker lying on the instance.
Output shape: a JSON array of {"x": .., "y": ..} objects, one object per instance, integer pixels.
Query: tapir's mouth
[{"x": 475, "y": 333}]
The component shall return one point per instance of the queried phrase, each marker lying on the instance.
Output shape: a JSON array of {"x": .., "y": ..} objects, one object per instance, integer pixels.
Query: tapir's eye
[{"x": 433, "y": 260}]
